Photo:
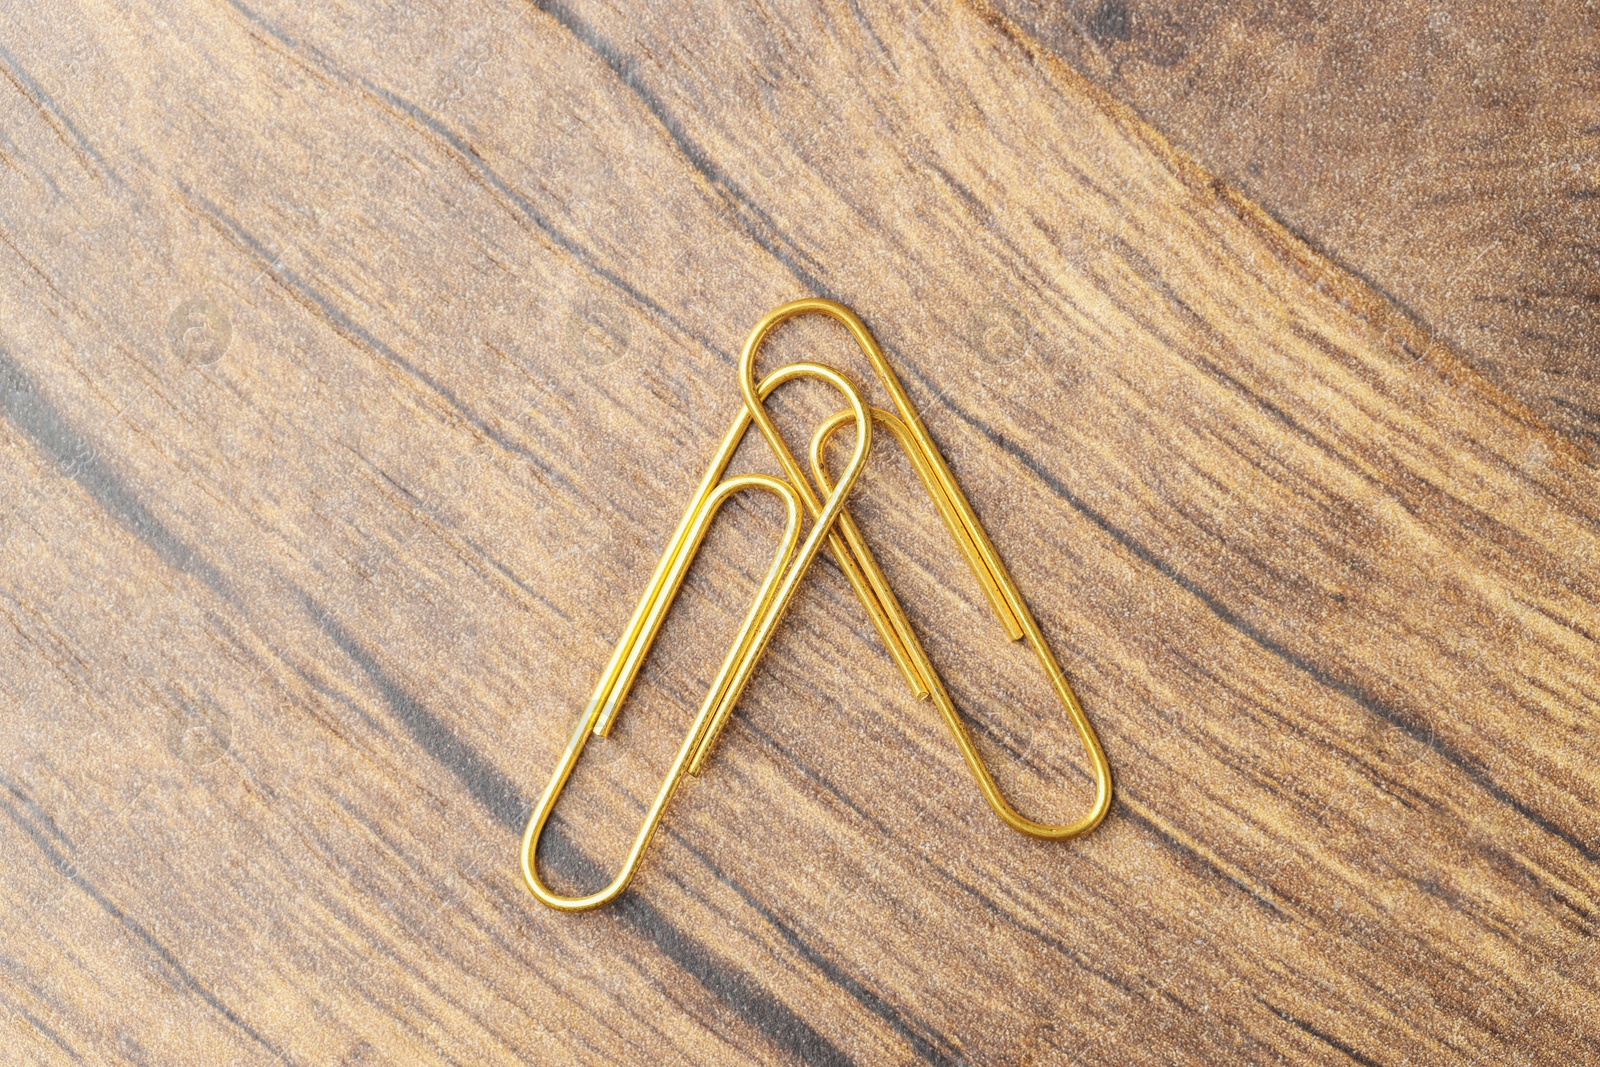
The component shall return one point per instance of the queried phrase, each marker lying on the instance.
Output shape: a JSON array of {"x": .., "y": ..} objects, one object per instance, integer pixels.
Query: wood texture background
[
  {"x": 295, "y": 628},
  {"x": 1446, "y": 153}
]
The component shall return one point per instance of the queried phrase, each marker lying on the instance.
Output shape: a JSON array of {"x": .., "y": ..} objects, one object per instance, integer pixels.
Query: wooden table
[
  {"x": 1446, "y": 153},
  {"x": 355, "y": 365}
]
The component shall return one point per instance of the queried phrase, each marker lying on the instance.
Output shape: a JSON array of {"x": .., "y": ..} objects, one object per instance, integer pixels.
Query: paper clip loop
[
  {"x": 874, "y": 591},
  {"x": 772, "y": 599}
]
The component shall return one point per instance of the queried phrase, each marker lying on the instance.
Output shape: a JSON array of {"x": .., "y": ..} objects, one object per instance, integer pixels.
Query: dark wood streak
[
  {"x": 28, "y": 409},
  {"x": 170, "y": 963},
  {"x": 51, "y": 111},
  {"x": 627, "y": 70},
  {"x": 502, "y": 799},
  {"x": 358, "y": 334},
  {"x": 525, "y": 208},
  {"x": 925, "y": 1041},
  {"x": 485, "y": 782},
  {"x": 738, "y": 991},
  {"x": 1434, "y": 158},
  {"x": 1327, "y": 1039}
]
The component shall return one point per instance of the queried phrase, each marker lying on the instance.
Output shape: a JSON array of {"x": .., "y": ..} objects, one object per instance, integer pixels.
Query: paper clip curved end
[
  {"x": 1099, "y": 765},
  {"x": 1063, "y": 831},
  {"x": 1104, "y": 793},
  {"x": 548, "y": 896},
  {"x": 539, "y": 818},
  {"x": 1099, "y": 808}
]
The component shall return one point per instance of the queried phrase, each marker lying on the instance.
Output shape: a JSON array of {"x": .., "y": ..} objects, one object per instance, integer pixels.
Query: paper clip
[
  {"x": 772, "y": 599},
  {"x": 879, "y": 599}
]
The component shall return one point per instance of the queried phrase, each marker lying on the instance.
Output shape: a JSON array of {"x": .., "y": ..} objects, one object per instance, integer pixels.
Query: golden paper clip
[
  {"x": 873, "y": 589},
  {"x": 777, "y": 589}
]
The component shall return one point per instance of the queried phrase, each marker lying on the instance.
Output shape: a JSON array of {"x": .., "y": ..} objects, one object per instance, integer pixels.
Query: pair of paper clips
[{"x": 824, "y": 504}]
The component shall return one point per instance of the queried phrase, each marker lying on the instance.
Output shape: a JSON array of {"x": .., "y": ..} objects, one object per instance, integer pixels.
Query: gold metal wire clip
[
  {"x": 873, "y": 589},
  {"x": 832, "y": 522},
  {"x": 777, "y": 589}
]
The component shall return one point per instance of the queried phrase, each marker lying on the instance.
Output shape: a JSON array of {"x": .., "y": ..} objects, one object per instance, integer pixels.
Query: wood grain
[
  {"x": 1446, "y": 153},
  {"x": 295, "y": 628}
]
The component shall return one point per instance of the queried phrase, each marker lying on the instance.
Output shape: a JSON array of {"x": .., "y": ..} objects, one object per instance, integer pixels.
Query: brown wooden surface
[
  {"x": 1447, "y": 153},
  {"x": 295, "y": 626}
]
